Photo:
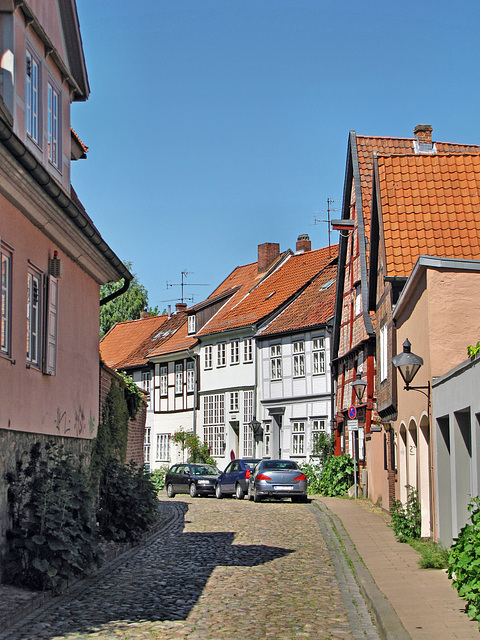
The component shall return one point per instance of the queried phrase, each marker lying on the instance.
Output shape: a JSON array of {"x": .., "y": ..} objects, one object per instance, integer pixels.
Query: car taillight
[
  {"x": 262, "y": 476},
  {"x": 300, "y": 478},
  {"x": 247, "y": 474}
]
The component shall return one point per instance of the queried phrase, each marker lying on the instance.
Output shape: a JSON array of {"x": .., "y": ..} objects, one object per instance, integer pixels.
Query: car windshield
[
  {"x": 279, "y": 464},
  {"x": 204, "y": 470}
]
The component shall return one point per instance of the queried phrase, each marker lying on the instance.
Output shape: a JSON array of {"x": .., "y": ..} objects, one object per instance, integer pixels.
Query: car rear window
[
  {"x": 280, "y": 464},
  {"x": 250, "y": 464}
]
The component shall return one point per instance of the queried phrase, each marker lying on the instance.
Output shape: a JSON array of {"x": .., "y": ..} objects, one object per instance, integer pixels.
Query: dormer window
[{"x": 191, "y": 324}]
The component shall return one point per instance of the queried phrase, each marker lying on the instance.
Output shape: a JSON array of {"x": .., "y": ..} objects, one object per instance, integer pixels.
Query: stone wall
[{"x": 15, "y": 446}]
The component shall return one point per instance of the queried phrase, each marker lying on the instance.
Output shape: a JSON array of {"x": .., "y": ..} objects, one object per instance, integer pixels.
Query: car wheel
[
  {"x": 218, "y": 492},
  {"x": 239, "y": 492},
  {"x": 193, "y": 490},
  {"x": 170, "y": 491},
  {"x": 256, "y": 497}
]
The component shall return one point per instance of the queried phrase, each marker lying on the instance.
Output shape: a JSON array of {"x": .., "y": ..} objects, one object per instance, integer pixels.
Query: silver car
[{"x": 277, "y": 479}]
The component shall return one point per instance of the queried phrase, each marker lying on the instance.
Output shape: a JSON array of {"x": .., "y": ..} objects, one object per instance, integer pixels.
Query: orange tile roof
[
  {"x": 249, "y": 307},
  {"x": 430, "y": 206},
  {"x": 179, "y": 340},
  {"x": 313, "y": 307},
  {"x": 125, "y": 338},
  {"x": 367, "y": 145}
]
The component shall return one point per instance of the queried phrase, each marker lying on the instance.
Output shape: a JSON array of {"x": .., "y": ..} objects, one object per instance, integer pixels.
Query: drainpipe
[{"x": 116, "y": 294}]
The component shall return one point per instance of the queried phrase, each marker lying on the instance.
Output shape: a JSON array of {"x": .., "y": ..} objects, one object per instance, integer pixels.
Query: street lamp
[
  {"x": 256, "y": 427},
  {"x": 408, "y": 364},
  {"x": 359, "y": 387}
]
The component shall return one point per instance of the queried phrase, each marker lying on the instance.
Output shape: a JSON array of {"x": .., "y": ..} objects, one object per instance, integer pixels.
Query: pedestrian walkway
[{"x": 424, "y": 600}]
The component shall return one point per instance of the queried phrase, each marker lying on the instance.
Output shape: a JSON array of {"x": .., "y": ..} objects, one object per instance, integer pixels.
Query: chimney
[
  {"x": 144, "y": 314},
  {"x": 423, "y": 138},
  {"x": 180, "y": 306},
  {"x": 303, "y": 243},
  {"x": 268, "y": 252}
]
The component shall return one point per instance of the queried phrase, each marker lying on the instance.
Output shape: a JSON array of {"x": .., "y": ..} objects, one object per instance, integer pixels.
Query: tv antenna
[
  {"x": 183, "y": 284},
  {"x": 328, "y": 210}
]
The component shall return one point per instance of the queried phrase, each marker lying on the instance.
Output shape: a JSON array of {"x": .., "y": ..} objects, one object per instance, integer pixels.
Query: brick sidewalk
[{"x": 423, "y": 599}]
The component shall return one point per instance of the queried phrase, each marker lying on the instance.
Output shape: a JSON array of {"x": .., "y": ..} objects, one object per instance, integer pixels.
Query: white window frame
[
  {"x": 276, "y": 362},
  {"x": 208, "y": 357},
  {"x": 146, "y": 378},
  {"x": 221, "y": 354},
  {"x": 383, "y": 352},
  {"x": 358, "y": 300},
  {"x": 248, "y": 440},
  {"x": 234, "y": 396},
  {"x": 53, "y": 115},
  {"x": 214, "y": 423},
  {"x": 146, "y": 445},
  {"x": 299, "y": 359},
  {"x": 266, "y": 438},
  {"x": 190, "y": 376},
  {"x": 32, "y": 94},
  {"x": 298, "y": 438},
  {"x": 318, "y": 349},
  {"x": 162, "y": 448},
  {"x": 191, "y": 324},
  {"x": 319, "y": 425},
  {"x": 248, "y": 350},
  {"x": 234, "y": 352},
  {"x": 6, "y": 301},
  {"x": 178, "y": 378},
  {"x": 34, "y": 318},
  {"x": 163, "y": 381}
]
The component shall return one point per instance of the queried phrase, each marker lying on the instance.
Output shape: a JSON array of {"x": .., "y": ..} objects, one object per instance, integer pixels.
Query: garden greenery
[
  {"x": 198, "y": 450},
  {"x": 337, "y": 475},
  {"x": 52, "y": 536},
  {"x": 406, "y": 519},
  {"x": 464, "y": 562}
]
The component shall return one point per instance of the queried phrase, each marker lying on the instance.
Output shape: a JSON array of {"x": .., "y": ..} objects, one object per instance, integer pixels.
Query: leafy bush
[
  {"x": 198, "y": 450},
  {"x": 406, "y": 520},
  {"x": 313, "y": 472},
  {"x": 323, "y": 446},
  {"x": 127, "y": 503},
  {"x": 157, "y": 477},
  {"x": 337, "y": 476},
  {"x": 52, "y": 537},
  {"x": 432, "y": 554},
  {"x": 464, "y": 562}
]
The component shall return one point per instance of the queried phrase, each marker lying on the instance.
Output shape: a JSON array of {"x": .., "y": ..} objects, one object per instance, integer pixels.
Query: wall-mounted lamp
[
  {"x": 359, "y": 387},
  {"x": 408, "y": 364},
  {"x": 256, "y": 427}
]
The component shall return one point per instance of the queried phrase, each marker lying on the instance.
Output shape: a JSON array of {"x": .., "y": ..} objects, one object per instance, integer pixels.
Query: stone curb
[
  {"x": 389, "y": 625},
  {"x": 27, "y": 605}
]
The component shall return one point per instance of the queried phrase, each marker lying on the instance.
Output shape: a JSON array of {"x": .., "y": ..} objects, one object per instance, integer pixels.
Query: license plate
[
  {"x": 280, "y": 487},
  {"x": 203, "y": 482}
]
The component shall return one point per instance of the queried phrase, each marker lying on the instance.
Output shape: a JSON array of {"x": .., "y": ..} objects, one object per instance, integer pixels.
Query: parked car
[
  {"x": 277, "y": 479},
  {"x": 234, "y": 480},
  {"x": 197, "y": 479}
]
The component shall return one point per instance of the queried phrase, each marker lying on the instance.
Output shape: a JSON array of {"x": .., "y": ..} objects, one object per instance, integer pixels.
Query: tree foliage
[{"x": 128, "y": 306}]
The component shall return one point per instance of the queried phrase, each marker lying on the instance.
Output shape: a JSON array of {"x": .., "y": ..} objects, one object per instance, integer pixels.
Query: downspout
[{"x": 117, "y": 293}]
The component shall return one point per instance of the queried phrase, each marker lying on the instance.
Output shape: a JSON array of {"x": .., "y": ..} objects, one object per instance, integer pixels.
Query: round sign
[{"x": 352, "y": 413}]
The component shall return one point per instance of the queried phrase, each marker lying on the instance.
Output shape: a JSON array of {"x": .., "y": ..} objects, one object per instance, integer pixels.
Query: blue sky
[{"x": 217, "y": 125}]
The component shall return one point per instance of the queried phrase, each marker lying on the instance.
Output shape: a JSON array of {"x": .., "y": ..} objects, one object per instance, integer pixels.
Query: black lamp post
[
  {"x": 256, "y": 427},
  {"x": 408, "y": 364},
  {"x": 359, "y": 387}
]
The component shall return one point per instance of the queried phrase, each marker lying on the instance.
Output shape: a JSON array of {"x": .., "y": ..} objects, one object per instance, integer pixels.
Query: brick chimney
[
  {"x": 303, "y": 243},
  {"x": 180, "y": 306},
  {"x": 268, "y": 252},
  {"x": 423, "y": 138}
]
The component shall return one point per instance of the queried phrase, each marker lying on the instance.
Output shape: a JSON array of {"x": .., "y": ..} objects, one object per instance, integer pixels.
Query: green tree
[{"x": 128, "y": 306}]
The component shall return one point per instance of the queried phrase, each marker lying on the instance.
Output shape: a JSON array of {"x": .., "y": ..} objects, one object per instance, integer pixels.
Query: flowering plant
[{"x": 199, "y": 451}]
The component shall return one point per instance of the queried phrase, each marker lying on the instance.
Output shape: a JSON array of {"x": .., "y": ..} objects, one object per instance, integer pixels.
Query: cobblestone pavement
[{"x": 220, "y": 570}]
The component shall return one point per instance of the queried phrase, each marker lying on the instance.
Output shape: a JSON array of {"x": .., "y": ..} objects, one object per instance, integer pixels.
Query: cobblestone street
[{"x": 220, "y": 570}]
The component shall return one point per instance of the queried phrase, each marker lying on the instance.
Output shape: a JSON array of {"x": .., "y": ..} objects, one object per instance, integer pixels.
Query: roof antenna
[
  {"x": 327, "y": 220},
  {"x": 183, "y": 284}
]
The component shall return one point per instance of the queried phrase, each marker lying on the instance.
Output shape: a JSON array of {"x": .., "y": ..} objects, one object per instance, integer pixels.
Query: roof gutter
[
  {"x": 28, "y": 161},
  {"x": 117, "y": 293}
]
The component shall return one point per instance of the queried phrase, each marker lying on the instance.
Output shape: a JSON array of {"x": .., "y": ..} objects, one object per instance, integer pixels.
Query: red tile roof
[
  {"x": 178, "y": 340},
  {"x": 315, "y": 306},
  {"x": 248, "y": 307},
  {"x": 125, "y": 338},
  {"x": 367, "y": 145},
  {"x": 430, "y": 206}
]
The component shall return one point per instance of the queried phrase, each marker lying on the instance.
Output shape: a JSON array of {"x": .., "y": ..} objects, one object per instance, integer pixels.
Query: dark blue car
[{"x": 234, "y": 480}]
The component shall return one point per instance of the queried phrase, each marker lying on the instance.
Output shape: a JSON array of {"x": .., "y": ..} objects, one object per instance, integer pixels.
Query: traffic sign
[
  {"x": 352, "y": 425},
  {"x": 352, "y": 413}
]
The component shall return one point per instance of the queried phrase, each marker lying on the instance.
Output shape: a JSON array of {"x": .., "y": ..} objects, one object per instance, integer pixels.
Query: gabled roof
[
  {"x": 124, "y": 339},
  {"x": 430, "y": 205},
  {"x": 176, "y": 340},
  {"x": 247, "y": 308},
  {"x": 312, "y": 308}
]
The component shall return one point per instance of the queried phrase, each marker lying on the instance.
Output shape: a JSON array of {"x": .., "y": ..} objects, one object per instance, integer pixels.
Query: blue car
[{"x": 234, "y": 480}]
